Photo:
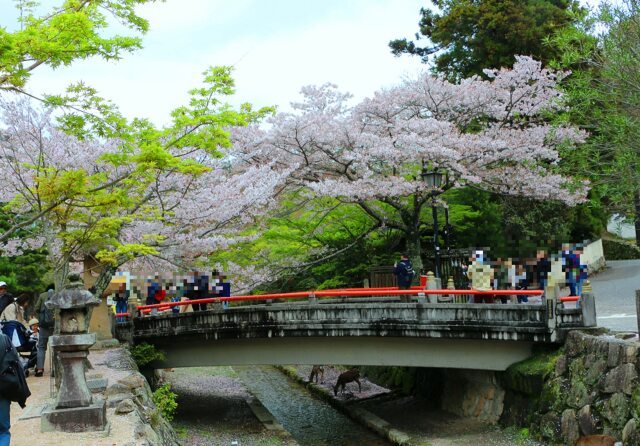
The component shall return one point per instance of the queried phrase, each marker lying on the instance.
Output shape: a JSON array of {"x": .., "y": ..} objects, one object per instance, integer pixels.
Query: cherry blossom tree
[
  {"x": 152, "y": 192},
  {"x": 488, "y": 134}
]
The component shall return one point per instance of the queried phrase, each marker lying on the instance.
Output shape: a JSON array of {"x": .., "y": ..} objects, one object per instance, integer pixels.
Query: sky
[{"x": 275, "y": 46}]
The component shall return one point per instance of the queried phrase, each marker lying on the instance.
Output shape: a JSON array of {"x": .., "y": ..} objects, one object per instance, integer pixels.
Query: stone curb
[
  {"x": 362, "y": 416},
  {"x": 268, "y": 420}
]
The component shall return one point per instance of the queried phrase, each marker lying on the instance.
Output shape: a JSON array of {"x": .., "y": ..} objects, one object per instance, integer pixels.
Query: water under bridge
[{"x": 377, "y": 328}]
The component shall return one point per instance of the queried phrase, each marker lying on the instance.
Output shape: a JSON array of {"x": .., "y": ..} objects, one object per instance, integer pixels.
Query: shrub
[
  {"x": 619, "y": 250},
  {"x": 144, "y": 354},
  {"x": 165, "y": 401}
]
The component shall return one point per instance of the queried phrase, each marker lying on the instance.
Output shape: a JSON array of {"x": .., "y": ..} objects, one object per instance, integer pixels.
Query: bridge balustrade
[{"x": 380, "y": 315}]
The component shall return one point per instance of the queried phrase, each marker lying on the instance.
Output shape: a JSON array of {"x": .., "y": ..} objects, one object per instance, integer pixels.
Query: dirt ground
[
  {"x": 213, "y": 410},
  {"x": 25, "y": 423}
]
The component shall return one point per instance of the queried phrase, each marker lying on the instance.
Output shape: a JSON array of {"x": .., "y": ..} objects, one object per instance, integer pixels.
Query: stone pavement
[
  {"x": 25, "y": 423},
  {"x": 614, "y": 289}
]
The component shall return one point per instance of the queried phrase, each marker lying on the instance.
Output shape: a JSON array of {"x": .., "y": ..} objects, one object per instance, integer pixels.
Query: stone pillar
[
  {"x": 638, "y": 308},
  {"x": 432, "y": 285},
  {"x": 588, "y": 306},
  {"x": 550, "y": 300},
  {"x": 448, "y": 297},
  {"x": 74, "y": 409}
]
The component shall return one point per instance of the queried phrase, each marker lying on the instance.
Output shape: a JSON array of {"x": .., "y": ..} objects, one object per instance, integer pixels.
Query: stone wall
[
  {"x": 473, "y": 394},
  {"x": 132, "y": 394},
  {"x": 589, "y": 386}
]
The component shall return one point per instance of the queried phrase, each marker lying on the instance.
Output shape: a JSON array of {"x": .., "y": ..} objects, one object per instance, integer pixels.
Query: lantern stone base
[{"x": 76, "y": 419}]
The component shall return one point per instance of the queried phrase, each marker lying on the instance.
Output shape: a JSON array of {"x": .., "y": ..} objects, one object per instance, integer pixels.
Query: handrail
[{"x": 344, "y": 292}]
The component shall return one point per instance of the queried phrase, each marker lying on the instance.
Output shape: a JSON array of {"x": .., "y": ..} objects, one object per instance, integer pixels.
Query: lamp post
[{"x": 433, "y": 178}]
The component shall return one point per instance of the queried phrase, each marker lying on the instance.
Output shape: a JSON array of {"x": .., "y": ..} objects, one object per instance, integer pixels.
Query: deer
[
  {"x": 317, "y": 371},
  {"x": 596, "y": 440},
  {"x": 345, "y": 378}
]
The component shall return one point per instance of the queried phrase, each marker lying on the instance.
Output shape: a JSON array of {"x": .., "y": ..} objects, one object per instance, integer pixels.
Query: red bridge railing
[{"x": 344, "y": 292}]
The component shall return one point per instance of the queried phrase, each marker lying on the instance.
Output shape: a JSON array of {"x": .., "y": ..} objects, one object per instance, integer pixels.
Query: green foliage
[
  {"x": 27, "y": 272},
  {"x": 619, "y": 250},
  {"x": 144, "y": 354},
  {"x": 469, "y": 36},
  {"x": 68, "y": 32},
  {"x": 603, "y": 95},
  {"x": 540, "y": 364},
  {"x": 319, "y": 246},
  {"x": 165, "y": 401},
  {"x": 517, "y": 226}
]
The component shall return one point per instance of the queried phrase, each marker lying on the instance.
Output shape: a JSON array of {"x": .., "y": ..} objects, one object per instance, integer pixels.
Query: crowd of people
[
  {"x": 28, "y": 328},
  {"x": 484, "y": 274},
  {"x": 165, "y": 288}
]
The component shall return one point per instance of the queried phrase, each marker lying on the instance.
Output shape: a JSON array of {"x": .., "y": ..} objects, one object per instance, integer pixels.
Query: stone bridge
[{"x": 370, "y": 331}]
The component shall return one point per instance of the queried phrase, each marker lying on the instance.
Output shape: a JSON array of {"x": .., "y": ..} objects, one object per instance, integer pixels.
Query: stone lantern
[{"x": 74, "y": 409}]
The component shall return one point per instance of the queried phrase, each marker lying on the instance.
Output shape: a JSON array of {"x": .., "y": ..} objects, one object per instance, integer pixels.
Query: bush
[
  {"x": 165, "y": 401},
  {"x": 619, "y": 250},
  {"x": 144, "y": 354}
]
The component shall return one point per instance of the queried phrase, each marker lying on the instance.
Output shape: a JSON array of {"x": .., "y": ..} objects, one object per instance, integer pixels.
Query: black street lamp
[{"x": 433, "y": 178}]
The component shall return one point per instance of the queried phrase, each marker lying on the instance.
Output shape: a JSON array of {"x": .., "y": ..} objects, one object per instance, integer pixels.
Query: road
[{"x": 615, "y": 290}]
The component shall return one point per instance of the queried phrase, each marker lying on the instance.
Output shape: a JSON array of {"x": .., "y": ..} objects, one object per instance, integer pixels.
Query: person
[
  {"x": 543, "y": 269},
  {"x": 567, "y": 268},
  {"x": 198, "y": 289},
  {"x": 15, "y": 311},
  {"x": 6, "y": 298},
  {"x": 154, "y": 293},
  {"x": 481, "y": 275},
  {"x": 521, "y": 283},
  {"x": 404, "y": 272},
  {"x": 121, "y": 298},
  {"x": 501, "y": 278},
  {"x": 34, "y": 330},
  {"x": 580, "y": 271},
  {"x": 46, "y": 325},
  {"x": 5, "y": 404}
]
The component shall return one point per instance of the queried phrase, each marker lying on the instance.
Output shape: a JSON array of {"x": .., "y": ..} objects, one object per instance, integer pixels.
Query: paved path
[{"x": 615, "y": 291}]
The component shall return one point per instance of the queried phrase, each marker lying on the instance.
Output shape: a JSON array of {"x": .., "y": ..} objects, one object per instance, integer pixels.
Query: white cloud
[{"x": 276, "y": 47}]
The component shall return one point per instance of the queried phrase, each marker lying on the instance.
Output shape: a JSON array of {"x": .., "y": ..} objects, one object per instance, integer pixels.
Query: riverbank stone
[
  {"x": 630, "y": 433},
  {"x": 550, "y": 426},
  {"x": 569, "y": 426},
  {"x": 586, "y": 423},
  {"x": 595, "y": 372},
  {"x": 125, "y": 406},
  {"x": 578, "y": 395},
  {"x": 623, "y": 378},
  {"x": 616, "y": 410},
  {"x": 561, "y": 366}
]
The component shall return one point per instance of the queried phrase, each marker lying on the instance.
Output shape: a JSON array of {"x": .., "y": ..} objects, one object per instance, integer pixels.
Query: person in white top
[{"x": 15, "y": 311}]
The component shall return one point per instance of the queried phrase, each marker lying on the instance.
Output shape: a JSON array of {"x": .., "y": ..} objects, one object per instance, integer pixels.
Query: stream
[
  {"x": 308, "y": 419},
  {"x": 213, "y": 410}
]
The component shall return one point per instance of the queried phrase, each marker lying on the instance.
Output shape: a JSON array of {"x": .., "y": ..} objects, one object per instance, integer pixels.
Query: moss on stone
[
  {"x": 542, "y": 363},
  {"x": 551, "y": 397},
  {"x": 578, "y": 395},
  {"x": 529, "y": 376},
  {"x": 576, "y": 368},
  {"x": 635, "y": 403}
]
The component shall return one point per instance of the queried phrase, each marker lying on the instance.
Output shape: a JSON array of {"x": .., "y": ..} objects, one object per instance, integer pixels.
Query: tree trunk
[
  {"x": 103, "y": 279},
  {"x": 414, "y": 251},
  {"x": 637, "y": 219},
  {"x": 61, "y": 271}
]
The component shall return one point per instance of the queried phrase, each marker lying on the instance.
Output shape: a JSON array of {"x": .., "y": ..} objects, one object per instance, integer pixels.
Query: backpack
[
  {"x": 13, "y": 384},
  {"x": 408, "y": 271},
  {"x": 45, "y": 317}
]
